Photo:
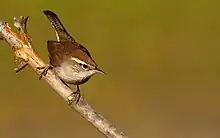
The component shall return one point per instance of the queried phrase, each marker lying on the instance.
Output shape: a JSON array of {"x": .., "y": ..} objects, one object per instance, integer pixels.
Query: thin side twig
[{"x": 30, "y": 57}]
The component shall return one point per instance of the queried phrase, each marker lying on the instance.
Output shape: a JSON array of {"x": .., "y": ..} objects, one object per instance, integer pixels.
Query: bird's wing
[{"x": 64, "y": 50}]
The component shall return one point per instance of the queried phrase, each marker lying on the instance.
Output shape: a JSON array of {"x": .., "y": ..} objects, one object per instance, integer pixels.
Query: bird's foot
[
  {"x": 45, "y": 69},
  {"x": 75, "y": 95}
]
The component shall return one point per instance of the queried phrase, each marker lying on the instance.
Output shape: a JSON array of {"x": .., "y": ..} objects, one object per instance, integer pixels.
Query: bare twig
[
  {"x": 30, "y": 57},
  {"x": 21, "y": 24}
]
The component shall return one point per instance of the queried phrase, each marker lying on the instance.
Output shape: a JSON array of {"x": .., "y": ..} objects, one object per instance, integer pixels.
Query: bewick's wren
[{"x": 71, "y": 61}]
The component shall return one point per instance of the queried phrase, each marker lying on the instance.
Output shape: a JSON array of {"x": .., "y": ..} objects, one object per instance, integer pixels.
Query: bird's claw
[
  {"x": 44, "y": 72},
  {"x": 75, "y": 95}
]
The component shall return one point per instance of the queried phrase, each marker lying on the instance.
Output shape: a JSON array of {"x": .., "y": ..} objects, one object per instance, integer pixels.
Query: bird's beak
[{"x": 99, "y": 71}]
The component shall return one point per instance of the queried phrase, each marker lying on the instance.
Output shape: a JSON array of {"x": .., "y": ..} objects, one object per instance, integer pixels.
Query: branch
[{"x": 28, "y": 56}]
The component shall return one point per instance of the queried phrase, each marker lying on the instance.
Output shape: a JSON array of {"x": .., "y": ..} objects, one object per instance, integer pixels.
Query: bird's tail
[{"x": 62, "y": 34}]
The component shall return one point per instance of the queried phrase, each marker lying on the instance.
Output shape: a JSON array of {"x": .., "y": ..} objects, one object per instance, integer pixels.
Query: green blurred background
[{"x": 162, "y": 60}]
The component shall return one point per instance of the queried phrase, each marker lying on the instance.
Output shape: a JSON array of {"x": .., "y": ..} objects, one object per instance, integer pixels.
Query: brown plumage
[
  {"x": 62, "y": 34},
  {"x": 64, "y": 50},
  {"x": 66, "y": 44},
  {"x": 71, "y": 61}
]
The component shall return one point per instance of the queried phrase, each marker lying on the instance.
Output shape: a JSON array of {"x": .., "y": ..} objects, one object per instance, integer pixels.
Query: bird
[{"x": 70, "y": 60}]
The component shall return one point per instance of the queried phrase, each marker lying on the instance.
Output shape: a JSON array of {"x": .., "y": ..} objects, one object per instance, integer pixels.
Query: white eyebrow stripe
[{"x": 77, "y": 60}]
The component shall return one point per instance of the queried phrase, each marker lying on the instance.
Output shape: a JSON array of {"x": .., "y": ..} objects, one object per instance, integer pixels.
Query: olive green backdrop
[{"x": 162, "y": 60}]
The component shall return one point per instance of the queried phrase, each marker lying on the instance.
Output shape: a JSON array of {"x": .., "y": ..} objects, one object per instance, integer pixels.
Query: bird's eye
[{"x": 85, "y": 66}]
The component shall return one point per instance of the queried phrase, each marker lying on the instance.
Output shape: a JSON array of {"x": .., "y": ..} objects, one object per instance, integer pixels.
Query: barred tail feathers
[{"x": 61, "y": 32}]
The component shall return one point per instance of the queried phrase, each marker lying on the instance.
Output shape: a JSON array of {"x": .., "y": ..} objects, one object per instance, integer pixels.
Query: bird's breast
[{"x": 69, "y": 75}]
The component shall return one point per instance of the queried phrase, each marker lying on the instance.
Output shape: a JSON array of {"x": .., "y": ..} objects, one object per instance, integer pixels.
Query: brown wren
[{"x": 71, "y": 61}]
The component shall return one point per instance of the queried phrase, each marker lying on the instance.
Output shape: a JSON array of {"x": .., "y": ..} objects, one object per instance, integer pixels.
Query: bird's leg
[
  {"x": 45, "y": 69},
  {"x": 65, "y": 83},
  {"x": 76, "y": 94}
]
